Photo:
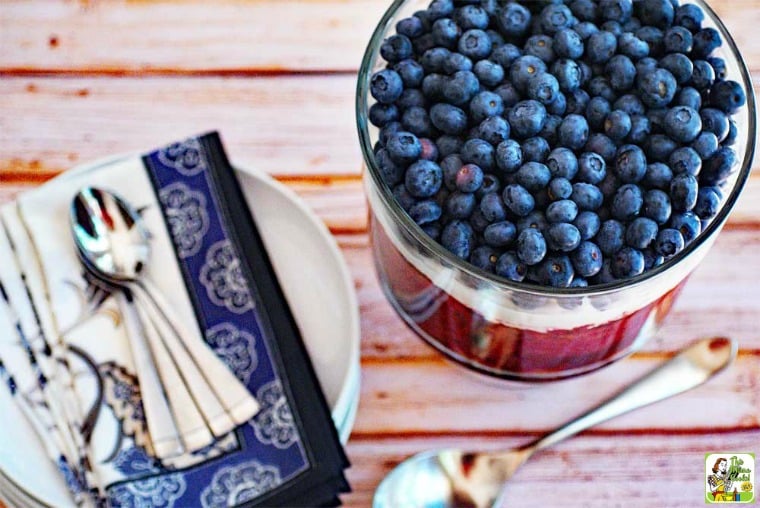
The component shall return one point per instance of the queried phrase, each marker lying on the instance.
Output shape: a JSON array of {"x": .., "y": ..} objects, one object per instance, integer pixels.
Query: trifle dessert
[{"x": 543, "y": 176}]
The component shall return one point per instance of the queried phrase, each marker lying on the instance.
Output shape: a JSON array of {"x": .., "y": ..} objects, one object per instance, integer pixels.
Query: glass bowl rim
[{"x": 401, "y": 217}]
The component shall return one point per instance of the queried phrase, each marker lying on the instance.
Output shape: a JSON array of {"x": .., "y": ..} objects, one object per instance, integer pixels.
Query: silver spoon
[
  {"x": 448, "y": 478},
  {"x": 114, "y": 243}
]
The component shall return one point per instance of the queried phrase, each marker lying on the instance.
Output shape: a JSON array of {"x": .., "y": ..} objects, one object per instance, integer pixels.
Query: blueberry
[
  {"x": 492, "y": 207},
  {"x": 508, "y": 93},
  {"x": 533, "y": 176},
  {"x": 559, "y": 188},
  {"x": 587, "y": 259},
  {"x": 586, "y": 10},
  {"x": 423, "y": 43},
  {"x": 423, "y": 178},
  {"x": 411, "y": 72},
  {"x": 446, "y": 32},
  {"x": 432, "y": 60},
  {"x": 568, "y": 44},
  {"x": 484, "y": 257},
  {"x": 386, "y": 86},
  {"x": 410, "y": 98},
  {"x": 587, "y": 196},
  {"x": 567, "y": 73},
  {"x": 535, "y": 219},
  {"x": 658, "y": 13},
  {"x": 460, "y": 205},
  {"x": 543, "y": 87},
  {"x": 640, "y": 129},
  {"x": 600, "y": 47},
  {"x": 656, "y": 206},
  {"x": 689, "y": 16},
  {"x": 513, "y": 20},
  {"x": 396, "y": 48},
  {"x": 596, "y": 112},
  {"x": 573, "y": 132},
  {"x": 525, "y": 68},
  {"x": 685, "y": 160},
  {"x": 381, "y": 114},
  {"x": 500, "y": 234},
  {"x": 424, "y": 212},
  {"x": 588, "y": 224},
  {"x": 484, "y": 105},
  {"x": 727, "y": 96},
  {"x": 627, "y": 262},
  {"x": 469, "y": 178},
  {"x": 612, "y": 27},
  {"x": 717, "y": 168},
  {"x": 645, "y": 65},
  {"x": 706, "y": 41},
  {"x": 450, "y": 165},
  {"x": 632, "y": 47},
  {"x": 669, "y": 242},
  {"x": 531, "y": 246},
  {"x": 471, "y": 16},
  {"x": 550, "y": 128},
  {"x": 555, "y": 17},
  {"x": 621, "y": 72},
  {"x": 690, "y": 97},
  {"x": 733, "y": 134},
  {"x": 480, "y": 152},
  {"x": 705, "y": 145},
  {"x": 658, "y": 175},
  {"x": 462, "y": 87},
  {"x": 535, "y": 149},
  {"x": 404, "y": 147},
  {"x": 617, "y": 125},
  {"x": 631, "y": 104},
  {"x": 616, "y": 10},
  {"x": 526, "y": 118},
  {"x": 494, "y": 130},
  {"x": 417, "y": 121},
  {"x": 448, "y": 119},
  {"x": 708, "y": 202},
  {"x": 715, "y": 121},
  {"x": 627, "y": 202},
  {"x": 509, "y": 156},
  {"x": 429, "y": 149},
  {"x": 683, "y": 192},
  {"x": 703, "y": 75},
  {"x": 387, "y": 131},
  {"x": 641, "y": 232},
  {"x": 564, "y": 210},
  {"x": 489, "y": 73},
  {"x": 657, "y": 88},
  {"x": 411, "y": 27},
  {"x": 556, "y": 271},
  {"x": 679, "y": 65},
  {"x": 433, "y": 230},
  {"x": 678, "y": 39},
  {"x": 683, "y": 124},
  {"x": 491, "y": 184},
  {"x": 577, "y": 101},
  {"x": 591, "y": 168},
  {"x": 510, "y": 267},
  {"x": 556, "y": 108},
  {"x": 505, "y": 55},
  {"x": 688, "y": 224},
  {"x": 630, "y": 164},
  {"x": 456, "y": 62},
  {"x": 599, "y": 86},
  {"x": 458, "y": 238},
  {"x": 439, "y": 9},
  {"x": 475, "y": 44},
  {"x": 611, "y": 237},
  {"x": 448, "y": 145},
  {"x": 585, "y": 29},
  {"x": 403, "y": 197},
  {"x": 604, "y": 146},
  {"x": 519, "y": 201},
  {"x": 391, "y": 172},
  {"x": 658, "y": 147},
  {"x": 656, "y": 117},
  {"x": 540, "y": 46},
  {"x": 654, "y": 37}
]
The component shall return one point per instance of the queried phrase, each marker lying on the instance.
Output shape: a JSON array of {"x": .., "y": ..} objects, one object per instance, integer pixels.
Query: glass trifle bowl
[{"x": 521, "y": 330}]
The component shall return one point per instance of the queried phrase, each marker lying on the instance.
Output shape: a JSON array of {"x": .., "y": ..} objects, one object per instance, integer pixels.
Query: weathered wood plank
[{"x": 592, "y": 471}]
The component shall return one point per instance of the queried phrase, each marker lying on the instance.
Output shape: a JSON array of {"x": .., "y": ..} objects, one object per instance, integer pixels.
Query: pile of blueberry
[{"x": 558, "y": 143}]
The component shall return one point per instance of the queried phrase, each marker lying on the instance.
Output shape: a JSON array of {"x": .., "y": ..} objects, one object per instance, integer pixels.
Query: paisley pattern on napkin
[
  {"x": 236, "y": 347},
  {"x": 274, "y": 422},
  {"x": 185, "y": 157},
  {"x": 223, "y": 278},
  {"x": 233, "y": 485},
  {"x": 158, "y": 491},
  {"x": 187, "y": 217}
]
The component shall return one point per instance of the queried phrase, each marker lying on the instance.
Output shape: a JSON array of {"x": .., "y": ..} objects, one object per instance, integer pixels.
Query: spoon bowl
[{"x": 455, "y": 478}]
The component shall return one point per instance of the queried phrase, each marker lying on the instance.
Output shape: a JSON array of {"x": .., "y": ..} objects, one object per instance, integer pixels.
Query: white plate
[{"x": 319, "y": 289}]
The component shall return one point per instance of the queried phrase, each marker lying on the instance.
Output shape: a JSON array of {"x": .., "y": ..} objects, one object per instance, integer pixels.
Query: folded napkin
[{"x": 211, "y": 265}]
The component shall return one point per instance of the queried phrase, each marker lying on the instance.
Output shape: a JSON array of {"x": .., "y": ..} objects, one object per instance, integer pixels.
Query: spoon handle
[{"x": 690, "y": 368}]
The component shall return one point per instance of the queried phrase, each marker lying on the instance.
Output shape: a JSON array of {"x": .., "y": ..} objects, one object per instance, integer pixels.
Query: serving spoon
[
  {"x": 449, "y": 477},
  {"x": 114, "y": 244}
]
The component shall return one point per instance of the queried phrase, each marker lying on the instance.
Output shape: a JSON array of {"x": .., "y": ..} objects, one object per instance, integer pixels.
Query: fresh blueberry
[
  {"x": 429, "y": 150},
  {"x": 654, "y": 37},
  {"x": 423, "y": 43},
  {"x": 669, "y": 242},
  {"x": 705, "y": 145},
  {"x": 562, "y": 162},
  {"x": 657, "y": 88},
  {"x": 494, "y": 130},
  {"x": 439, "y": 9},
  {"x": 706, "y": 41},
  {"x": 689, "y": 16},
  {"x": 679, "y": 65},
  {"x": 513, "y": 20},
  {"x": 617, "y": 125},
  {"x": 471, "y": 16},
  {"x": 678, "y": 40},
  {"x": 656, "y": 206},
  {"x": 446, "y": 32},
  {"x": 656, "y": 117},
  {"x": 540, "y": 46},
  {"x": 630, "y": 164},
  {"x": 604, "y": 146},
  {"x": 386, "y": 86},
  {"x": 600, "y": 47},
  {"x": 387, "y": 131},
  {"x": 519, "y": 201},
  {"x": 491, "y": 184},
  {"x": 573, "y": 132},
  {"x": 586, "y": 10},
  {"x": 417, "y": 121},
  {"x": 631, "y": 104},
  {"x": 577, "y": 101},
  {"x": 462, "y": 87},
  {"x": 489, "y": 73},
  {"x": 550, "y": 128},
  {"x": 391, "y": 172},
  {"x": 591, "y": 168},
  {"x": 688, "y": 224},
  {"x": 683, "y": 124},
  {"x": 543, "y": 87},
  {"x": 645, "y": 65},
  {"x": 396, "y": 48},
  {"x": 568, "y": 44},
  {"x": 727, "y": 96},
  {"x": 621, "y": 72},
  {"x": 585, "y": 29},
  {"x": 612, "y": 27},
  {"x": 508, "y": 93},
  {"x": 505, "y": 55},
  {"x": 411, "y": 27},
  {"x": 627, "y": 262},
  {"x": 567, "y": 73},
  {"x": 526, "y": 118},
  {"x": 456, "y": 62},
  {"x": 703, "y": 75},
  {"x": 715, "y": 121},
  {"x": 448, "y": 119},
  {"x": 404, "y": 147},
  {"x": 411, "y": 72},
  {"x": 627, "y": 202},
  {"x": 410, "y": 98},
  {"x": 640, "y": 129},
  {"x": 381, "y": 114},
  {"x": 458, "y": 238},
  {"x": 588, "y": 224},
  {"x": 632, "y": 47},
  {"x": 485, "y": 104},
  {"x": 480, "y": 152},
  {"x": 484, "y": 257},
  {"x": 460, "y": 205},
  {"x": 609, "y": 186},
  {"x": 658, "y": 13},
  {"x": 658, "y": 147},
  {"x": 535, "y": 219},
  {"x": 587, "y": 196},
  {"x": 616, "y": 10},
  {"x": 599, "y": 86},
  {"x": 555, "y": 271},
  {"x": 509, "y": 156},
  {"x": 424, "y": 212},
  {"x": 432, "y": 60},
  {"x": 587, "y": 259},
  {"x": 708, "y": 202},
  {"x": 685, "y": 160},
  {"x": 658, "y": 175},
  {"x": 555, "y": 17},
  {"x": 492, "y": 207},
  {"x": 717, "y": 168},
  {"x": 433, "y": 230},
  {"x": 611, "y": 237},
  {"x": 683, "y": 192},
  {"x": 531, "y": 246},
  {"x": 596, "y": 112},
  {"x": 641, "y": 232},
  {"x": 556, "y": 108},
  {"x": 403, "y": 197},
  {"x": 423, "y": 178},
  {"x": 475, "y": 44},
  {"x": 533, "y": 176},
  {"x": 448, "y": 145},
  {"x": 690, "y": 97},
  {"x": 450, "y": 165},
  {"x": 719, "y": 66},
  {"x": 510, "y": 267},
  {"x": 524, "y": 68},
  {"x": 564, "y": 210},
  {"x": 469, "y": 178},
  {"x": 535, "y": 149},
  {"x": 560, "y": 188},
  {"x": 733, "y": 133}
]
